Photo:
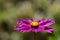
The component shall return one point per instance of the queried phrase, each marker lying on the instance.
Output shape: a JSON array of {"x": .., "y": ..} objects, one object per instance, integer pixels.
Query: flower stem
[{"x": 35, "y": 36}]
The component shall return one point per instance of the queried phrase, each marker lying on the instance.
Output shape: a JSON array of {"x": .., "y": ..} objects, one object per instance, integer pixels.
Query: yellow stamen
[{"x": 34, "y": 23}]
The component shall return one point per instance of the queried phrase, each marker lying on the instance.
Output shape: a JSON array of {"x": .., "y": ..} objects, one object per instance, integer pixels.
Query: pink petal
[
  {"x": 22, "y": 21},
  {"x": 37, "y": 29},
  {"x": 49, "y": 30},
  {"x": 50, "y": 22},
  {"x": 16, "y": 27},
  {"x": 25, "y": 28},
  {"x": 46, "y": 22}
]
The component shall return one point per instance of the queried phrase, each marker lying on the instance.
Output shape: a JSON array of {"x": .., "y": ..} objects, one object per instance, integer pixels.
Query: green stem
[{"x": 35, "y": 36}]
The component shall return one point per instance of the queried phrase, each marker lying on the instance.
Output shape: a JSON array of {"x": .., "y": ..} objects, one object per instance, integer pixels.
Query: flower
[{"x": 34, "y": 26}]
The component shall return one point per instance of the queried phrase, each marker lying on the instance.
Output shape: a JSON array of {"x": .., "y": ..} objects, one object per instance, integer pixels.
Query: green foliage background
[{"x": 12, "y": 10}]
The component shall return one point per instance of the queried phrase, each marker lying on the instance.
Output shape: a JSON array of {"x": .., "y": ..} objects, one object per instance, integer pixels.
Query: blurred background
[{"x": 12, "y": 10}]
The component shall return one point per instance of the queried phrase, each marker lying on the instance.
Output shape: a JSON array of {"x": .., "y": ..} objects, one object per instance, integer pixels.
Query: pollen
[{"x": 34, "y": 23}]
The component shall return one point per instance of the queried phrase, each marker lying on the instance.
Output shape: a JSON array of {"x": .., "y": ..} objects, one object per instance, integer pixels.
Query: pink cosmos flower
[{"x": 34, "y": 26}]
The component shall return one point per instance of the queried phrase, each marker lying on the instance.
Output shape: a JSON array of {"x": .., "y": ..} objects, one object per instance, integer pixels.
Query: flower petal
[
  {"x": 41, "y": 21},
  {"x": 21, "y": 21},
  {"x": 25, "y": 28},
  {"x": 46, "y": 22},
  {"x": 49, "y": 30},
  {"x": 49, "y": 22},
  {"x": 37, "y": 29},
  {"x": 16, "y": 27}
]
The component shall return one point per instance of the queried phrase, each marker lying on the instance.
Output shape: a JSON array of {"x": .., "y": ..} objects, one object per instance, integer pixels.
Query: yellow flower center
[{"x": 34, "y": 23}]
